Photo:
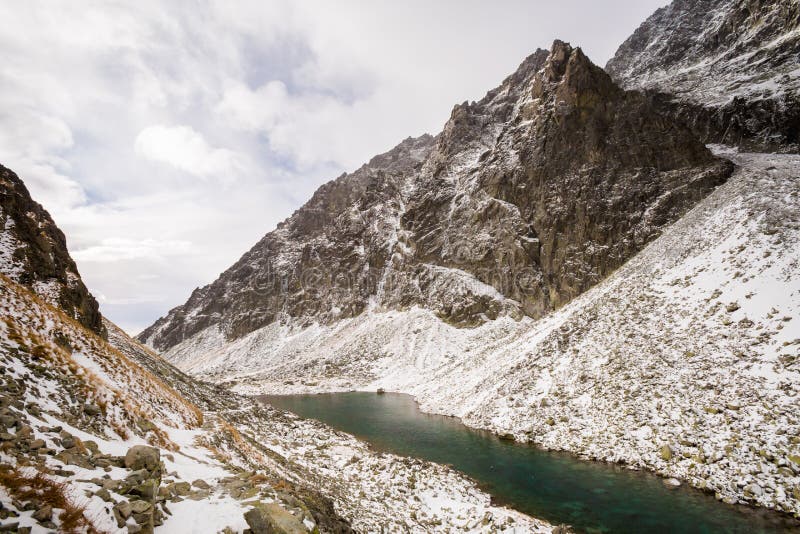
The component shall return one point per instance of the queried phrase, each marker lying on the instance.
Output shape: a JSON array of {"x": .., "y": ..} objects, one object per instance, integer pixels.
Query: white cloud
[
  {"x": 107, "y": 108},
  {"x": 116, "y": 249},
  {"x": 187, "y": 150}
]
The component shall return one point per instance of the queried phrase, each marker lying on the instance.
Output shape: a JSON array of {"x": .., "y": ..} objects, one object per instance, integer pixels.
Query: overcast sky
[{"x": 166, "y": 138}]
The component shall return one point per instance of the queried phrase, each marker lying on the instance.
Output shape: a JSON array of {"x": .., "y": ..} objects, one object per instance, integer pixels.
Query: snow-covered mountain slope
[
  {"x": 33, "y": 252},
  {"x": 684, "y": 361},
  {"x": 103, "y": 435},
  {"x": 730, "y": 68},
  {"x": 526, "y": 199}
]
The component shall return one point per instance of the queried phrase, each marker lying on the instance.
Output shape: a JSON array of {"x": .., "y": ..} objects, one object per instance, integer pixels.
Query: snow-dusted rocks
[{"x": 728, "y": 68}]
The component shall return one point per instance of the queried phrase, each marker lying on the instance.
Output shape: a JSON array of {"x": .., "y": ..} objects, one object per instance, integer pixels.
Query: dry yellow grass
[
  {"x": 145, "y": 397},
  {"x": 48, "y": 492}
]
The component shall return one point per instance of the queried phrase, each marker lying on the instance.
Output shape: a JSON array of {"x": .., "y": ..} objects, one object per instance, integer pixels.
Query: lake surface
[{"x": 591, "y": 496}]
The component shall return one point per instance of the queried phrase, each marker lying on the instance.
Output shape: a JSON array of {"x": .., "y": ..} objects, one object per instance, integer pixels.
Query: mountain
[
  {"x": 729, "y": 69},
  {"x": 101, "y": 434},
  {"x": 33, "y": 252},
  {"x": 684, "y": 361},
  {"x": 564, "y": 263},
  {"x": 525, "y": 200}
]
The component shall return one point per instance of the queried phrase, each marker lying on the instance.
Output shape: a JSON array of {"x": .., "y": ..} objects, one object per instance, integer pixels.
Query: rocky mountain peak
[
  {"x": 33, "y": 252},
  {"x": 526, "y": 198}
]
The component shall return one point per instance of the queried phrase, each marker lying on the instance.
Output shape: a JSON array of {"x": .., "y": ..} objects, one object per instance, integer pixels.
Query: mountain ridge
[{"x": 401, "y": 230}]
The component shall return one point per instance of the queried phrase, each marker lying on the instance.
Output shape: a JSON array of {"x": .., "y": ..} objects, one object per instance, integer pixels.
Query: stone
[
  {"x": 672, "y": 483},
  {"x": 91, "y": 410},
  {"x": 143, "y": 457},
  {"x": 201, "y": 484},
  {"x": 124, "y": 509},
  {"x": 147, "y": 490},
  {"x": 665, "y": 453},
  {"x": 104, "y": 494},
  {"x": 753, "y": 490},
  {"x": 45, "y": 513},
  {"x": 273, "y": 519},
  {"x": 140, "y": 507},
  {"x": 182, "y": 488},
  {"x": 36, "y": 444}
]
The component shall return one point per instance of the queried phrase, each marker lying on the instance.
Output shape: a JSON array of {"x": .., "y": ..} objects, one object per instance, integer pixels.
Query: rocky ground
[
  {"x": 684, "y": 361},
  {"x": 93, "y": 441}
]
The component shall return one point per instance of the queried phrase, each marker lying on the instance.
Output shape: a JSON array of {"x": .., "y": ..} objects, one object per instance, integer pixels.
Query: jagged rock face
[
  {"x": 728, "y": 68},
  {"x": 526, "y": 199},
  {"x": 33, "y": 252}
]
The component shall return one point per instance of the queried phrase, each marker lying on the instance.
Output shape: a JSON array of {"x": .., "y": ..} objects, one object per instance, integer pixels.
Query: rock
[
  {"x": 666, "y": 453},
  {"x": 201, "y": 484},
  {"x": 91, "y": 410},
  {"x": 140, "y": 507},
  {"x": 104, "y": 494},
  {"x": 124, "y": 509},
  {"x": 732, "y": 307},
  {"x": 181, "y": 488},
  {"x": 45, "y": 513},
  {"x": 753, "y": 490},
  {"x": 272, "y": 519},
  {"x": 36, "y": 444},
  {"x": 672, "y": 483},
  {"x": 143, "y": 457},
  {"x": 147, "y": 490}
]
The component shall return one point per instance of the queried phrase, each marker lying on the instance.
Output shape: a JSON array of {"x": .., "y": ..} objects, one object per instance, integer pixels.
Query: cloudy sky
[{"x": 166, "y": 137}]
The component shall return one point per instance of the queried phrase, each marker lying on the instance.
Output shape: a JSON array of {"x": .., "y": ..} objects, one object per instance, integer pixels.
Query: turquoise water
[{"x": 591, "y": 496}]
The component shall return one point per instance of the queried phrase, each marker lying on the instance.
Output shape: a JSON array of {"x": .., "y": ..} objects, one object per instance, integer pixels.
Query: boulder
[
  {"x": 91, "y": 410},
  {"x": 753, "y": 490},
  {"x": 272, "y": 519},
  {"x": 45, "y": 513},
  {"x": 143, "y": 457}
]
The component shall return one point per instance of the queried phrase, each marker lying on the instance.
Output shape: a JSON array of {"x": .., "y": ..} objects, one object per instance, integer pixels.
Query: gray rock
[
  {"x": 143, "y": 457},
  {"x": 272, "y": 519},
  {"x": 45, "y": 513},
  {"x": 753, "y": 490},
  {"x": 140, "y": 507},
  {"x": 201, "y": 484},
  {"x": 124, "y": 509},
  {"x": 91, "y": 410}
]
